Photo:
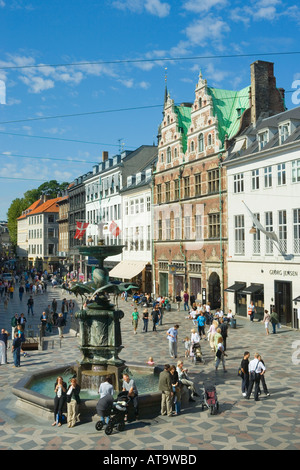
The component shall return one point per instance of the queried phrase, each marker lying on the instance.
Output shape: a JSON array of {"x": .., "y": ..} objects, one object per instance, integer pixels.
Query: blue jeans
[
  {"x": 16, "y": 356},
  {"x": 186, "y": 306}
]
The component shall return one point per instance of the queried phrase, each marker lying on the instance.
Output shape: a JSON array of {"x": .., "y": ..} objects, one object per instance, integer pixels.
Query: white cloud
[
  {"x": 2, "y": 4},
  {"x": 37, "y": 84},
  {"x": 157, "y": 8},
  {"x": 199, "y": 6},
  {"x": 209, "y": 28},
  {"x": 154, "y": 7}
]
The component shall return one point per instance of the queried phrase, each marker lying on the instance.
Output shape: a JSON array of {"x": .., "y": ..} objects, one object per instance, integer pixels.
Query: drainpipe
[
  {"x": 152, "y": 233},
  {"x": 221, "y": 223},
  {"x": 180, "y": 221}
]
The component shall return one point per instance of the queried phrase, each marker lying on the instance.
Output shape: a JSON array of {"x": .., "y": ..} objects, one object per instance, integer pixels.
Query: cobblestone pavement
[{"x": 272, "y": 423}]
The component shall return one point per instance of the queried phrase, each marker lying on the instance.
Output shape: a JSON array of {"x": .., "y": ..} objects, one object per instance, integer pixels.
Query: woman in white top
[{"x": 266, "y": 320}]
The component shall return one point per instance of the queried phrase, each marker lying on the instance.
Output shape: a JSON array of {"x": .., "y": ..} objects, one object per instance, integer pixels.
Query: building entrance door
[
  {"x": 214, "y": 291},
  {"x": 164, "y": 284},
  {"x": 283, "y": 301}
]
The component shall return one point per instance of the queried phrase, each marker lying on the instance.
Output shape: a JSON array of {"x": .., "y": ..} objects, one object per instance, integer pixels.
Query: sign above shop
[{"x": 279, "y": 272}]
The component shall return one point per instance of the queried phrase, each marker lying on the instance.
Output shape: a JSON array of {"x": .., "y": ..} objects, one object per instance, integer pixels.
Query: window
[
  {"x": 162, "y": 158},
  {"x": 238, "y": 183},
  {"x": 176, "y": 189},
  {"x": 51, "y": 249},
  {"x": 255, "y": 179},
  {"x": 187, "y": 228},
  {"x": 262, "y": 139},
  {"x": 239, "y": 229},
  {"x": 269, "y": 228},
  {"x": 213, "y": 181},
  {"x": 50, "y": 219},
  {"x": 169, "y": 155},
  {"x": 296, "y": 222},
  {"x": 168, "y": 229},
  {"x": 126, "y": 208},
  {"x": 148, "y": 237},
  {"x": 137, "y": 208},
  {"x": 177, "y": 228},
  {"x": 159, "y": 229},
  {"x": 198, "y": 227},
  {"x": 281, "y": 174},
  {"x": 209, "y": 140},
  {"x": 168, "y": 192},
  {"x": 282, "y": 225},
  {"x": 256, "y": 239},
  {"x": 142, "y": 205},
  {"x": 198, "y": 184},
  {"x": 192, "y": 147},
  {"x": 296, "y": 171},
  {"x": 214, "y": 225},
  {"x": 187, "y": 186},
  {"x": 268, "y": 176},
  {"x": 284, "y": 132},
  {"x": 175, "y": 153},
  {"x": 200, "y": 102},
  {"x": 148, "y": 203},
  {"x": 131, "y": 207},
  {"x": 142, "y": 238},
  {"x": 158, "y": 193},
  {"x": 200, "y": 143}
]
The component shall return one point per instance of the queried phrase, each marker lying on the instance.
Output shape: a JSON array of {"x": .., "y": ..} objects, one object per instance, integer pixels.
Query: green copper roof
[
  {"x": 228, "y": 106},
  {"x": 184, "y": 122}
]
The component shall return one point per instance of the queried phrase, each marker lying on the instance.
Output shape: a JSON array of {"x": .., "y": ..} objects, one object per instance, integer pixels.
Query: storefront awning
[
  {"x": 253, "y": 289},
  {"x": 127, "y": 269},
  {"x": 236, "y": 287},
  {"x": 297, "y": 299}
]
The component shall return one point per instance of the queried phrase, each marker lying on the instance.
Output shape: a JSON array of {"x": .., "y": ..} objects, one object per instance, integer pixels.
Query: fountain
[{"x": 100, "y": 342}]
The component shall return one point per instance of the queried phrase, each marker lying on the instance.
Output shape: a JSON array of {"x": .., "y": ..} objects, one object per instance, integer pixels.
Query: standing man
[
  {"x": 16, "y": 349},
  {"x": 256, "y": 370},
  {"x": 21, "y": 292},
  {"x": 155, "y": 317},
  {"x": 165, "y": 386},
  {"x": 186, "y": 301},
  {"x": 30, "y": 304},
  {"x": 4, "y": 337},
  {"x": 172, "y": 334},
  {"x": 14, "y": 323}
]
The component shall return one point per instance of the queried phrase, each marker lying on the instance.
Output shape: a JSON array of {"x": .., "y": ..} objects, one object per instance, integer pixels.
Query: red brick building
[{"x": 189, "y": 187}]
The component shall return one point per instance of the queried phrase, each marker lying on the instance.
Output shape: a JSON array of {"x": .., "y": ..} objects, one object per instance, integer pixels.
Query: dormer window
[
  {"x": 262, "y": 139},
  {"x": 284, "y": 132}
]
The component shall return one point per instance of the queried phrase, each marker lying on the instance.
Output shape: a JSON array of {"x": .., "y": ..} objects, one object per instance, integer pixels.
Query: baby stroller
[
  {"x": 196, "y": 353},
  {"x": 116, "y": 415},
  {"x": 210, "y": 399}
]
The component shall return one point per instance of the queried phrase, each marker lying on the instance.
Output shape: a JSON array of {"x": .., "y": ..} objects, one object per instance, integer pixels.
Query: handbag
[{"x": 240, "y": 373}]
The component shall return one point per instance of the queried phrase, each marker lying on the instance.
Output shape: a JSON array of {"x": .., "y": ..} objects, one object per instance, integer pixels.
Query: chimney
[
  {"x": 265, "y": 97},
  {"x": 104, "y": 156}
]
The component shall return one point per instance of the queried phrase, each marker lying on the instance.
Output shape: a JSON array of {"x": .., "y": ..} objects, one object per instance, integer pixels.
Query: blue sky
[{"x": 76, "y": 31}]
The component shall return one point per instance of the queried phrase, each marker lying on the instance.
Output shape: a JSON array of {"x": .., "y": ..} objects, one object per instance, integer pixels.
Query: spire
[{"x": 166, "y": 86}]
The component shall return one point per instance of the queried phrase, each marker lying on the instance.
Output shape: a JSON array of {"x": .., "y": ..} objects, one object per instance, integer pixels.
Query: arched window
[
  {"x": 192, "y": 146},
  {"x": 168, "y": 119},
  {"x": 175, "y": 153},
  {"x": 200, "y": 143},
  {"x": 209, "y": 140},
  {"x": 169, "y": 154},
  {"x": 200, "y": 103},
  {"x": 162, "y": 158}
]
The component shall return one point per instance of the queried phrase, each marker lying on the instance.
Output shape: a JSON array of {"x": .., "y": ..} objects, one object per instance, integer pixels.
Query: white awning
[{"x": 127, "y": 269}]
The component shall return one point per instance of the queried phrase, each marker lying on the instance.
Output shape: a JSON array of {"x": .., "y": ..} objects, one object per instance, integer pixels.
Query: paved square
[{"x": 272, "y": 423}]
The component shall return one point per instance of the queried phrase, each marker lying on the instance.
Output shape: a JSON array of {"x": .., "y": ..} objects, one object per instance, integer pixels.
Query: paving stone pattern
[{"x": 272, "y": 423}]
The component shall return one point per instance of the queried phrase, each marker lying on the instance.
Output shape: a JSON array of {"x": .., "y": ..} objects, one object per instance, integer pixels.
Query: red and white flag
[
  {"x": 80, "y": 231},
  {"x": 114, "y": 229}
]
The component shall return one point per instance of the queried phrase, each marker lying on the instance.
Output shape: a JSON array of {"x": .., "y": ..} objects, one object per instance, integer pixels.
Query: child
[
  {"x": 150, "y": 361},
  {"x": 187, "y": 345}
]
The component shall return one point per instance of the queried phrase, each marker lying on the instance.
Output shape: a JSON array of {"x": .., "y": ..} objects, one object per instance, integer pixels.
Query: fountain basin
[{"x": 41, "y": 402}]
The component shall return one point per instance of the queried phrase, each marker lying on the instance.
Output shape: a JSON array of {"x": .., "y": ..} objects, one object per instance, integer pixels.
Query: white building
[
  {"x": 104, "y": 199},
  {"x": 137, "y": 222},
  {"x": 263, "y": 173}
]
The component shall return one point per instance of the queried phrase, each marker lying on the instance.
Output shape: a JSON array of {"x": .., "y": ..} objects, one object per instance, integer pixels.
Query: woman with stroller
[{"x": 105, "y": 403}]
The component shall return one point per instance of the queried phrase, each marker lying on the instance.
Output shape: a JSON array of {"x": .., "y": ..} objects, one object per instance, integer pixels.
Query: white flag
[{"x": 259, "y": 226}]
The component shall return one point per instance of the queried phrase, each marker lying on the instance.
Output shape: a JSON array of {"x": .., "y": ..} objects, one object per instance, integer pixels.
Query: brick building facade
[{"x": 190, "y": 193}]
